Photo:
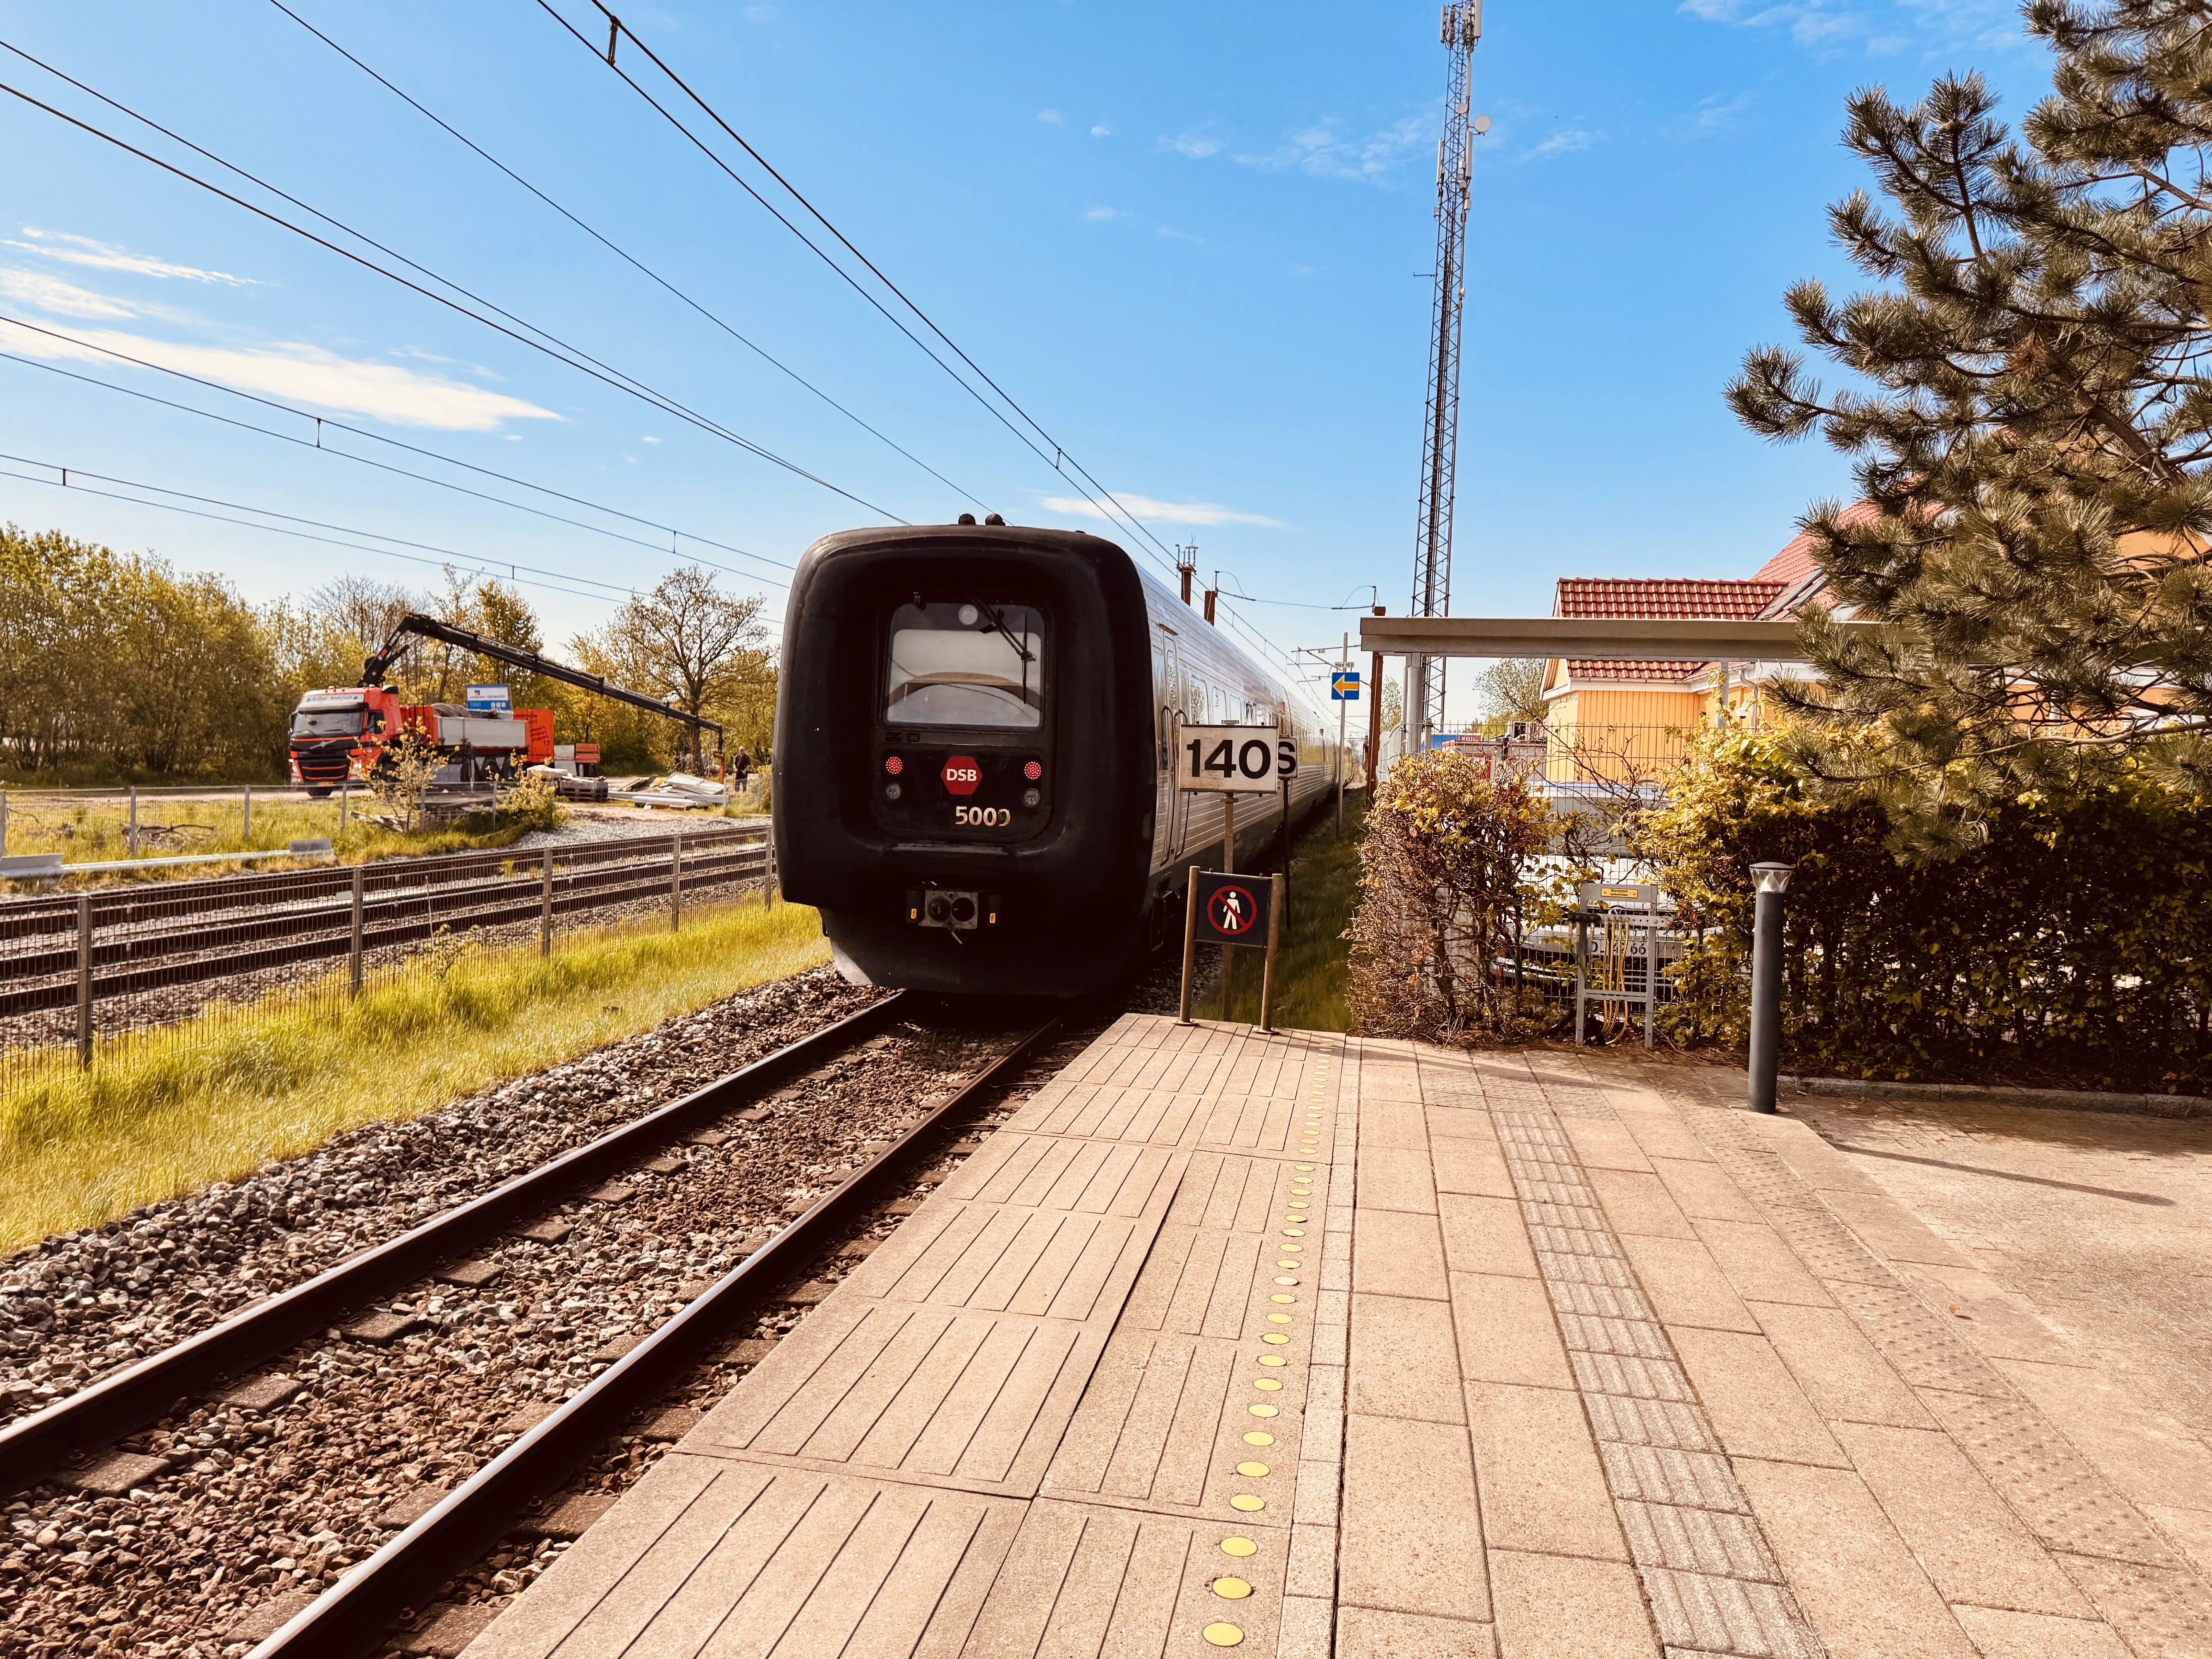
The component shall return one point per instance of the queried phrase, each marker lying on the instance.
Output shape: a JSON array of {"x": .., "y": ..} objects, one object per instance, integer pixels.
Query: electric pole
[{"x": 1432, "y": 528}]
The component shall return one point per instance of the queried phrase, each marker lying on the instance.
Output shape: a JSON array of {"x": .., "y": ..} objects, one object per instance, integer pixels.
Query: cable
[
  {"x": 275, "y": 530},
  {"x": 558, "y": 349},
  {"x": 623, "y": 255},
  {"x": 446, "y": 553},
  {"x": 383, "y": 466},
  {"x": 1111, "y": 508}
]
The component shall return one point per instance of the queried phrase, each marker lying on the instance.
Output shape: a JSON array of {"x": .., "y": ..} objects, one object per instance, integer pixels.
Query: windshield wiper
[{"x": 1006, "y": 633}]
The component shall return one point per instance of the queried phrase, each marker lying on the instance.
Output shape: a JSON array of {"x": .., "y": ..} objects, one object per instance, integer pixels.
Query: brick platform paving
[{"x": 1308, "y": 1345}]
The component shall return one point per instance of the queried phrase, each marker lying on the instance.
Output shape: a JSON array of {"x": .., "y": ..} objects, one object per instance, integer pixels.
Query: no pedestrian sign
[
  {"x": 1344, "y": 685},
  {"x": 1233, "y": 910}
]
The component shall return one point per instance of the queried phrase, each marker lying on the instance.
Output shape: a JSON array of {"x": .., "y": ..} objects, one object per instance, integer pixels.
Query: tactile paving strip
[
  {"x": 1711, "y": 1580},
  {"x": 2140, "y": 1583}
]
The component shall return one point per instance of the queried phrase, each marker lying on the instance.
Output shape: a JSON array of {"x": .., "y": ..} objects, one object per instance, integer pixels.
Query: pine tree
[{"x": 2032, "y": 451}]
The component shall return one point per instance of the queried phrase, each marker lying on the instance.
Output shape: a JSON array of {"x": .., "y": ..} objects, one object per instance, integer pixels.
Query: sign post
[
  {"x": 1233, "y": 910},
  {"x": 1228, "y": 761},
  {"x": 1343, "y": 688}
]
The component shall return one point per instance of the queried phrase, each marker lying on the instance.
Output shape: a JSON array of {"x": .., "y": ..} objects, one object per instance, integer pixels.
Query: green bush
[
  {"x": 1444, "y": 874},
  {"x": 2069, "y": 946}
]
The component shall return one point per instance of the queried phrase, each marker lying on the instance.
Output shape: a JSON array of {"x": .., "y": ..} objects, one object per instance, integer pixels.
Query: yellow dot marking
[
  {"x": 1231, "y": 1590},
  {"x": 1301, "y": 1192},
  {"x": 1294, "y": 1232},
  {"x": 1255, "y": 1470},
  {"x": 1280, "y": 1297},
  {"x": 1272, "y": 1359},
  {"x": 1286, "y": 1264},
  {"x": 1293, "y": 1247},
  {"x": 1276, "y": 1338},
  {"x": 1279, "y": 1319},
  {"x": 1257, "y": 1438},
  {"x": 1267, "y": 1384},
  {"x": 1261, "y": 1411},
  {"x": 1247, "y": 1503},
  {"x": 1224, "y": 1636},
  {"x": 1239, "y": 1547},
  {"x": 1306, "y": 1169},
  {"x": 1286, "y": 1281}
]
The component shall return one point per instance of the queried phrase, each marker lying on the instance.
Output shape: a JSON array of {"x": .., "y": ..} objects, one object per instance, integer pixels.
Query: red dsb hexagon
[{"x": 961, "y": 774}]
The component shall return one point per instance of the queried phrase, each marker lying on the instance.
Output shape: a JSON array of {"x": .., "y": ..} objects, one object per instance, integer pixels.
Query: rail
[
  {"x": 60, "y": 951},
  {"x": 351, "y": 1618}
]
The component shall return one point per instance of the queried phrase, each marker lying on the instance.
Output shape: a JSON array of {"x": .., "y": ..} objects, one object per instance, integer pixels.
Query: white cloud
[
  {"x": 1143, "y": 506},
  {"x": 1325, "y": 149},
  {"x": 1196, "y": 145},
  {"x": 1563, "y": 143},
  {"x": 308, "y": 374},
  {"x": 1712, "y": 117},
  {"x": 761, "y": 14},
  {"x": 105, "y": 256},
  {"x": 1051, "y": 117},
  {"x": 1824, "y": 27},
  {"x": 1101, "y": 132},
  {"x": 52, "y": 295},
  {"x": 1181, "y": 236},
  {"x": 648, "y": 440},
  {"x": 1099, "y": 216}
]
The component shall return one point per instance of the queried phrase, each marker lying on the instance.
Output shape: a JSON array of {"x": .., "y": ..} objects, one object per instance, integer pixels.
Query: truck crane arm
[{"x": 429, "y": 628}]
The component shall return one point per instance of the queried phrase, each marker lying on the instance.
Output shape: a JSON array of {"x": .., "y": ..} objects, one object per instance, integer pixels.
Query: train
[{"x": 975, "y": 732}]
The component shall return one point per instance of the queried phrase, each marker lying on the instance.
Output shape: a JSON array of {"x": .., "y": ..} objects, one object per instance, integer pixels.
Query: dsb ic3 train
[{"x": 973, "y": 742}]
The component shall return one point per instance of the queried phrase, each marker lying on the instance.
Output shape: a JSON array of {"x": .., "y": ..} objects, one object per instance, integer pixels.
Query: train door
[{"x": 1167, "y": 704}]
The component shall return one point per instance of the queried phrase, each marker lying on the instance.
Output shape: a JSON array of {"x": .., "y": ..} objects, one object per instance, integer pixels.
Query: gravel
[{"x": 258, "y": 1508}]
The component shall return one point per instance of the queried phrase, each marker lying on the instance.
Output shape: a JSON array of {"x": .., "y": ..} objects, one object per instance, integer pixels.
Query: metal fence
[{"x": 83, "y": 973}]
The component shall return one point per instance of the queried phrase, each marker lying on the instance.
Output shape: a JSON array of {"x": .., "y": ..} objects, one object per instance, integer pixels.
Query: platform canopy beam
[{"x": 1671, "y": 639}]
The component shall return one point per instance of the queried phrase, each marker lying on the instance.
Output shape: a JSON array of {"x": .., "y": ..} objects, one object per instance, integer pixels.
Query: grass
[
  {"x": 169, "y": 1111},
  {"x": 1310, "y": 963}
]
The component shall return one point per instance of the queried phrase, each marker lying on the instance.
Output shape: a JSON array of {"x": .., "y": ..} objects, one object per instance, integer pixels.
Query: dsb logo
[{"x": 961, "y": 775}]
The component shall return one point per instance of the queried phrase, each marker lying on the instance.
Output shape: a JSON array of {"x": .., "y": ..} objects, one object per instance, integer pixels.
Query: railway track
[
  {"x": 155, "y": 939},
  {"x": 350, "y": 1616}
]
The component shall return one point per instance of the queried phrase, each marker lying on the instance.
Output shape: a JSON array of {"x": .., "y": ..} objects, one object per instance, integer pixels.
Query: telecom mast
[{"x": 1432, "y": 528}]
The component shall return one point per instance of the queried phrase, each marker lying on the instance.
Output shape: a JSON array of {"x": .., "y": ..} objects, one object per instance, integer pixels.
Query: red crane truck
[{"x": 342, "y": 733}]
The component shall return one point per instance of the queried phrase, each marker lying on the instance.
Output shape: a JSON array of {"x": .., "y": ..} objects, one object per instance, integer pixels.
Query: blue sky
[{"x": 1192, "y": 240}]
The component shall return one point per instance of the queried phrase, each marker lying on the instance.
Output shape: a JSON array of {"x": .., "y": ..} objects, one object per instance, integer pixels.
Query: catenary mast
[{"x": 1432, "y": 529}]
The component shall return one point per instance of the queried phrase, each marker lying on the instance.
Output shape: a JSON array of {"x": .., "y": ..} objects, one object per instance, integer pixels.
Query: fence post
[
  {"x": 3, "y": 823},
  {"x": 132, "y": 837},
  {"x": 246, "y": 832},
  {"x": 84, "y": 980},
  {"x": 545, "y": 906},
  {"x": 345, "y": 800},
  {"x": 360, "y": 878},
  {"x": 676, "y": 881},
  {"x": 768, "y": 901}
]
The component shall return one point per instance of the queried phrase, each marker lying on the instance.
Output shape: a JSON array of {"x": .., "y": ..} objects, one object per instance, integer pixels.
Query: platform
[{"x": 1303, "y": 1345}]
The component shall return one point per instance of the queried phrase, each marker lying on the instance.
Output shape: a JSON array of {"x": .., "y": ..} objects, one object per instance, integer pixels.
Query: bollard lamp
[{"x": 1769, "y": 881}]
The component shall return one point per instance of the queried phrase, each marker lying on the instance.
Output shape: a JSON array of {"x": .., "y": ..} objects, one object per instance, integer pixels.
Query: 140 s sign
[{"x": 1241, "y": 759}]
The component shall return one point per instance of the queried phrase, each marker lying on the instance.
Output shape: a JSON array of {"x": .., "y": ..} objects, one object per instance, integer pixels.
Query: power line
[
  {"x": 482, "y": 567},
  {"x": 446, "y": 555},
  {"x": 550, "y": 345},
  {"x": 624, "y": 254},
  {"x": 1060, "y": 460},
  {"x": 322, "y": 422}
]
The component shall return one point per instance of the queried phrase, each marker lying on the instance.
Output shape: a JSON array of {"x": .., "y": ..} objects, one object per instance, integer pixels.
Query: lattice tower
[{"x": 1460, "y": 29}]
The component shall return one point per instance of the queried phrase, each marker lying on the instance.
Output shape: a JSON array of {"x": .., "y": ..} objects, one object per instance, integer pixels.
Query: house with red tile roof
[{"x": 1624, "y": 720}]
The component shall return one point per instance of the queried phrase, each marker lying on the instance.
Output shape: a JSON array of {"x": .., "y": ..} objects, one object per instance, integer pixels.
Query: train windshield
[
  {"x": 330, "y": 720},
  {"x": 967, "y": 662}
]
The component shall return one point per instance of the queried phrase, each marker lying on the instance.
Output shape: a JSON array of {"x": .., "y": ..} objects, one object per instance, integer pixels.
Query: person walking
[{"x": 742, "y": 764}]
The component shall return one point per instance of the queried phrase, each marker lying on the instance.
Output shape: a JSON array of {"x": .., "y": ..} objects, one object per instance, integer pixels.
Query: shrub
[
  {"x": 2069, "y": 944},
  {"x": 1443, "y": 866}
]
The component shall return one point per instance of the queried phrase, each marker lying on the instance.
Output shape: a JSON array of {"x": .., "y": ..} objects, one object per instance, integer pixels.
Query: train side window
[{"x": 966, "y": 662}]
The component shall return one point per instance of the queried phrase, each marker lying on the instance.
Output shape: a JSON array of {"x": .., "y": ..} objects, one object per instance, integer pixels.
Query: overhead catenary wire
[
  {"x": 624, "y": 255},
  {"x": 522, "y": 332},
  {"x": 1104, "y": 501},
  {"x": 323, "y": 421}
]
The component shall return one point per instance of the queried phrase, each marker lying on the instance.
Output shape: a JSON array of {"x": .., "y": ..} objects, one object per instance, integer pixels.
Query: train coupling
[{"x": 959, "y": 912}]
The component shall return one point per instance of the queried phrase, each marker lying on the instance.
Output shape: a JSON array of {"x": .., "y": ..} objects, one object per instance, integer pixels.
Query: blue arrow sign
[{"x": 1344, "y": 686}]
